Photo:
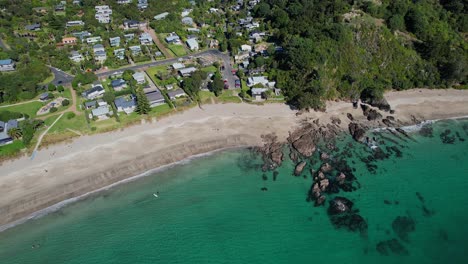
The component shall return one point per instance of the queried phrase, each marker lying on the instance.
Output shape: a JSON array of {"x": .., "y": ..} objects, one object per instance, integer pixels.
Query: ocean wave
[
  {"x": 58, "y": 206},
  {"x": 417, "y": 127}
]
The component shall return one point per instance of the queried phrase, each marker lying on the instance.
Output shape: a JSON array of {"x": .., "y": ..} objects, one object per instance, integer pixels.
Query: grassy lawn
[
  {"x": 230, "y": 96},
  {"x": 244, "y": 85},
  {"x": 210, "y": 69},
  {"x": 11, "y": 149},
  {"x": 77, "y": 123},
  {"x": 161, "y": 110},
  {"x": 205, "y": 97},
  {"x": 30, "y": 108},
  {"x": 154, "y": 70},
  {"x": 178, "y": 50}
]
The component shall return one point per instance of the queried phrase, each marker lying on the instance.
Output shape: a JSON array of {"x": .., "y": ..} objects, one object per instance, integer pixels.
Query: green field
[
  {"x": 11, "y": 149},
  {"x": 230, "y": 96},
  {"x": 178, "y": 50},
  {"x": 210, "y": 69},
  {"x": 77, "y": 123},
  {"x": 30, "y": 108}
]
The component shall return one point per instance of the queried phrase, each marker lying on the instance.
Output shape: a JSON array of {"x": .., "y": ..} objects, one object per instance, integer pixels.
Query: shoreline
[{"x": 64, "y": 172}]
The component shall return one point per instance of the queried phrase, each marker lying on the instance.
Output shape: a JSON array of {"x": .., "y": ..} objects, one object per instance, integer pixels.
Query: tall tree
[{"x": 143, "y": 105}]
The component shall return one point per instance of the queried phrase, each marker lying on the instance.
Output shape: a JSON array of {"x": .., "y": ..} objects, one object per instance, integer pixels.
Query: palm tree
[{"x": 15, "y": 133}]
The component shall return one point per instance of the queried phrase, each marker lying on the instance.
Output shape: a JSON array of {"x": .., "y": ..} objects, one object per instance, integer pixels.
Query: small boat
[{"x": 155, "y": 195}]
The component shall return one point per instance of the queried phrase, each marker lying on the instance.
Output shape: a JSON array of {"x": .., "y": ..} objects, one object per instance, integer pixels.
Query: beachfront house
[
  {"x": 95, "y": 92},
  {"x": 155, "y": 98},
  {"x": 7, "y": 65},
  {"x": 263, "y": 80},
  {"x": 5, "y": 139},
  {"x": 161, "y": 16},
  {"x": 146, "y": 39},
  {"x": 125, "y": 104},
  {"x": 118, "y": 84},
  {"x": 186, "y": 72},
  {"x": 135, "y": 50},
  {"x": 173, "y": 38},
  {"x": 139, "y": 77},
  {"x": 75, "y": 56},
  {"x": 192, "y": 44},
  {"x": 101, "y": 112},
  {"x": 114, "y": 42},
  {"x": 258, "y": 93},
  {"x": 119, "y": 54},
  {"x": 176, "y": 94}
]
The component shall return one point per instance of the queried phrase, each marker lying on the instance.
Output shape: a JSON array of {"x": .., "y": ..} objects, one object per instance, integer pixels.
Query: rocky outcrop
[
  {"x": 373, "y": 115},
  {"x": 305, "y": 145},
  {"x": 326, "y": 167},
  {"x": 272, "y": 152},
  {"x": 299, "y": 168},
  {"x": 350, "y": 116},
  {"x": 340, "y": 179},
  {"x": 340, "y": 205},
  {"x": 342, "y": 215},
  {"x": 356, "y": 131}
]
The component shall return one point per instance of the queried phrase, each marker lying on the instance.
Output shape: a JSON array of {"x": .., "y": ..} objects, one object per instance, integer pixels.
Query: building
[
  {"x": 178, "y": 66},
  {"x": 99, "y": 53},
  {"x": 142, "y": 4},
  {"x": 246, "y": 48},
  {"x": 136, "y": 50},
  {"x": 257, "y": 93},
  {"x": 161, "y": 16},
  {"x": 146, "y": 39},
  {"x": 33, "y": 27},
  {"x": 186, "y": 12},
  {"x": 123, "y": 2},
  {"x": 251, "y": 81},
  {"x": 187, "y": 21},
  {"x": 176, "y": 94},
  {"x": 7, "y": 65},
  {"x": 185, "y": 72},
  {"x": 75, "y": 56},
  {"x": 193, "y": 30},
  {"x": 103, "y": 14},
  {"x": 4, "y": 128},
  {"x": 139, "y": 77},
  {"x": 118, "y": 84},
  {"x": 129, "y": 37},
  {"x": 93, "y": 40},
  {"x": 69, "y": 41},
  {"x": 155, "y": 98},
  {"x": 95, "y": 92},
  {"x": 75, "y": 23},
  {"x": 119, "y": 54},
  {"x": 101, "y": 112},
  {"x": 132, "y": 24},
  {"x": 172, "y": 38},
  {"x": 114, "y": 42},
  {"x": 125, "y": 104},
  {"x": 44, "y": 97},
  {"x": 82, "y": 34},
  {"x": 192, "y": 44}
]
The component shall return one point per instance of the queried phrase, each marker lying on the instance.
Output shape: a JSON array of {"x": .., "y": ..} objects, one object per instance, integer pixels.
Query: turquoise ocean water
[{"x": 211, "y": 210}]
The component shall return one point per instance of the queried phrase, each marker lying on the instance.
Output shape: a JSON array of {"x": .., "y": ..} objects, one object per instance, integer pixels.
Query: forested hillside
[{"x": 339, "y": 48}]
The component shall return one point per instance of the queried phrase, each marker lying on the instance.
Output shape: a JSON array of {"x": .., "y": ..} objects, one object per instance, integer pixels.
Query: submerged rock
[
  {"x": 402, "y": 226},
  {"x": 339, "y": 205},
  {"x": 299, "y": 168},
  {"x": 426, "y": 130},
  {"x": 446, "y": 137},
  {"x": 326, "y": 167},
  {"x": 391, "y": 246},
  {"x": 356, "y": 131}
]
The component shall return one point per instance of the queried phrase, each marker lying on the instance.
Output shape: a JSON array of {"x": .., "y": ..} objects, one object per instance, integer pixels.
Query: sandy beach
[{"x": 88, "y": 163}]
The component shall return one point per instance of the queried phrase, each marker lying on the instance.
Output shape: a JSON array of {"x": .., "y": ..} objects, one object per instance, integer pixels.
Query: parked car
[{"x": 238, "y": 83}]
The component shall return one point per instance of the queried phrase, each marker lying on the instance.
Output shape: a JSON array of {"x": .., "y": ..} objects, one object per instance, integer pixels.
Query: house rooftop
[{"x": 6, "y": 62}]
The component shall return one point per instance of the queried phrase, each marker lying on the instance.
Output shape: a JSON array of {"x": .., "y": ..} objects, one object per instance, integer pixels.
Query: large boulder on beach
[
  {"x": 305, "y": 145},
  {"x": 356, "y": 131},
  {"x": 299, "y": 168},
  {"x": 373, "y": 115}
]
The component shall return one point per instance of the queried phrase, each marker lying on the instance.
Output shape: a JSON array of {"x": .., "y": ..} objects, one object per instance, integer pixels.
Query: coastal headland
[{"x": 90, "y": 163}]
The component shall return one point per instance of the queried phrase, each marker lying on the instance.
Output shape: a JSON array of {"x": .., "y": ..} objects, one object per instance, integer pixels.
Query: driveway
[{"x": 61, "y": 77}]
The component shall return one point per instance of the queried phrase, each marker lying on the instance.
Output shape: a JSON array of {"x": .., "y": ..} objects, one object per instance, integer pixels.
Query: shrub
[
  {"x": 93, "y": 128},
  {"x": 70, "y": 115},
  {"x": 65, "y": 102},
  {"x": 53, "y": 109}
]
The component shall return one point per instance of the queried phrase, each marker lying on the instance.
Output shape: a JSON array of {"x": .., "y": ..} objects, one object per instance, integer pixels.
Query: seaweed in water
[
  {"x": 402, "y": 226},
  {"x": 264, "y": 177},
  {"x": 446, "y": 137},
  {"x": 391, "y": 246},
  {"x": 275, "y": 175}
]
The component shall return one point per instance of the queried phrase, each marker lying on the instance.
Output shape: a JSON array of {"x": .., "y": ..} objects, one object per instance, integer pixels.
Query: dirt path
[
  {"x": 73, "y": 104},
  {"x": 158, "y": 42},
  {"x": 42, "y": 136}
]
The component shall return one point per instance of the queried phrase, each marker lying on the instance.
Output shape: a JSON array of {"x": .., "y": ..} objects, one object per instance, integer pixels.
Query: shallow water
[{"x": 212, "y": 210}]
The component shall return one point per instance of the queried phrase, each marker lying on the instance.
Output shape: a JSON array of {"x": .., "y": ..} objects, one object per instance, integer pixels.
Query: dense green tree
[{"x": 143, "y": 105}]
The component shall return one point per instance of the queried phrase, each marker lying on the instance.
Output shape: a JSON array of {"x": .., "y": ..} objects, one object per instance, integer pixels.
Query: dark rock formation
[
  {"x": 275, "y": 175},
  {"x": 446, "y": 137},
  {"x": 402, "y": 226},
  {"x": 272, "y": 152},
  {"x": 299, "y": 168},
  {"x": 350, "y": 116},
  {"x": 340, "y": 205},
  {"x": 426, "y": 130},
  {"x": 326, "y": 167},
  {"x": 391, "y": 246},
  {"x": 356, "y": 131},
  {"x": 373, "y": 115},
  {"x": 324, "y": 156},
  {"x": 305, "y": 145},
  {"x": 387, "y": 122}
]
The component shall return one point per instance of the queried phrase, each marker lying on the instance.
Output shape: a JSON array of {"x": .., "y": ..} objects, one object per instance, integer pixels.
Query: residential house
[
  {"x": 263, "y": 80},
  {"x": 193, "y": 30},
  {"x": 123, "y": 2},
  {"x": 192, "y": 44},
  {"x": 125, "y": 104},
  {"x": 257, "y": 93},
  {"x": 256, "y": 36},
  {"x": 93, "y": 40},
  {"x": 139, "y": 77},
  {"x": 186, "y": 12},
  {"x": 178, "y": 66},
  {"x": 142, "y": 4},
  {"x": 187, "y": 21},
  {"x": 59, "y": 8},
  {"x": 90, "y": 105},
  {"x": 40, "y": 10},
  {"x": 114, "y": 42},
  {"x": 132, "y": 24},
  {"x": 129, "y": 37},
  {"x": 185, "y": 72},
  {"x": 4, "y": 128},
  {"x": 44, "y": 97},
  {"x": 213, "y": 43},
  {"x": 176, "y": 94},
  {"x": 99, "y": 53},
  {"x": 33, "y": 27},
  {"x": 69, "y": 41},
  {"x": 7, "y": 65},
  {"x": 82, "y": 35},
  {"x": 103, "y": 14},
  {"x": 146, "y": 39},
  {"x": 95, "y": 92},
  {"x": 119, "y": 54},
  {"x": 101, "y": 112},
  {"x": 75, "y": 56},
  {"x": 246, "y": 48},
  {"x": 161, "y": 16},
  {"x": 173, "y": 38},
  {"x": 118, "y": 84},
  {"x": 76, "y": 2},
  {"x": 75, "y": 23},
  {"x": 136, "y": 50},
  {"x": 155, "y": 98}
]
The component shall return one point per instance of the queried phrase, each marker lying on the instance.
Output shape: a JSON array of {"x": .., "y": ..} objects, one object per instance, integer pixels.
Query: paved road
[
  {"x": 227, "y": 73},
  {"x": 61, "y": 77}
]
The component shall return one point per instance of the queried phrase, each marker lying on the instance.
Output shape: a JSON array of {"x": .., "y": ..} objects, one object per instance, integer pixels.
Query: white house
[
  {"x": 93, "y": 40},
  {"x": 99, "y": 53},
  {"x": 185, "y": 72},
  {"x": 75, "y": 23},
  {"x": 246, "y": 48},
  {"x": 95, "y": 92},
  {"x": 136, "y": 50},
  {"x": 161, "y": 16},
  {"x": 178, "y": 66},
  {"x": 119, "y": 54},
  {"x": 192, "y": 44},
  {"x": 75, "y": 56},
  {"x": 114, "y": 42},
  {"x": 257, "y": 93},
  {"x": 139, "y": 77},
  {"x": 251, "y": 81},
  {"x": 101, "y": 112},
  {"x": 146, "y": 39},
  {"x": 186, "y": 12},
  {"x": 7, "y": 65}
]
